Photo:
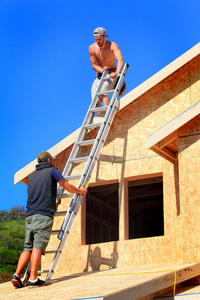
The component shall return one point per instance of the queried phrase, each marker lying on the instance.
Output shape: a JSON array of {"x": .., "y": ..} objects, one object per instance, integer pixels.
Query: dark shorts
[{"x": 38, "y": 230}]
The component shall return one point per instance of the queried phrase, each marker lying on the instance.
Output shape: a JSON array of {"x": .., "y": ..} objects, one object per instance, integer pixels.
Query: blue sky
[{"x": 46, "y": 75}]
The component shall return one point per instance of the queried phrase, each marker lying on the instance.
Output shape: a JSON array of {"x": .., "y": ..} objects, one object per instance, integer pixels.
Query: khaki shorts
[
  {"x": 38, "y": 230},
  {"x": 108, "y": 84}
]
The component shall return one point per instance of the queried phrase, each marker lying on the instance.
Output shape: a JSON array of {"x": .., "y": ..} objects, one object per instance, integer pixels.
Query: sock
[
  {"x": 33, "y": 281},
  {"x": 16, "y": 275}
]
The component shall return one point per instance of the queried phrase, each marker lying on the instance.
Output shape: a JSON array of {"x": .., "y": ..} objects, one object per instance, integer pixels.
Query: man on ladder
[{"x": 102, "y": 56}]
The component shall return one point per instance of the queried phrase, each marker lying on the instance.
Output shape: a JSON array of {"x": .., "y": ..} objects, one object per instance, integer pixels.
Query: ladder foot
[
  {"x": 25, "y": 282},
  {"x": 48, "y": 281}
]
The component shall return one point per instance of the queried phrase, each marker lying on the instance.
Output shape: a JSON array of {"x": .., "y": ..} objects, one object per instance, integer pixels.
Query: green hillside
[{"x": 12, "y": 232}]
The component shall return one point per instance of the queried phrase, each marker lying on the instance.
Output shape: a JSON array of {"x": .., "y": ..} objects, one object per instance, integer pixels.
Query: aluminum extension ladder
[{"x": 74, "y": 159}]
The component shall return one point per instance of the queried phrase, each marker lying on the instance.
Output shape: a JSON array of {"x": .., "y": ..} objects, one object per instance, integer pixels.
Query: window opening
[
  {"x": 145, "y": 198},
  {"x": 102, "y": 214}
]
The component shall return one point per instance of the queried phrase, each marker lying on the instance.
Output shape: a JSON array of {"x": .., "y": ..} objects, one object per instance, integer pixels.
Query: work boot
[
  {"x": 37, "y": 283},
  {"x": 16, "y": 281}
]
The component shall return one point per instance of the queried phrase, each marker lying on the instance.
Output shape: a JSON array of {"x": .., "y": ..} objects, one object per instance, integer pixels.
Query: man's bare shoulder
[
  {"x": 113, "y": 46},
  {"x": 92, "y": 48}
]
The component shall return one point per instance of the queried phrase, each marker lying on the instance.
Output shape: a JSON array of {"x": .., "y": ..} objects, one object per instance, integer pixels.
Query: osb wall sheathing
[
  {"x": 125, "y": 156},
  {"x": 189, "y": 173}
]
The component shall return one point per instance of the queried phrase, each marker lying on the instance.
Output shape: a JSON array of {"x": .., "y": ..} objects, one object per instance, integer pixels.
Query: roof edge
[
  {"x": 173, "y": 125},
  {"x": 160, "y": 76},
  {"x": 125, "y": 101},
  {"x": 55, "y": 150}
]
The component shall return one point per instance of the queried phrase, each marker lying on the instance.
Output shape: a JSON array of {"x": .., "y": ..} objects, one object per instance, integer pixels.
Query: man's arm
[
  {"x": 94, "y": 61},
  {"x": 71, "y": 188},
  {"x": 118, "y": 57}
]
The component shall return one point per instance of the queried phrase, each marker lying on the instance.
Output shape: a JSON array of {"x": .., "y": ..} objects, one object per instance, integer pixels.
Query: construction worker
[
  {"x": 102, "y": 56},
  {"x": 41, "y": 207}
]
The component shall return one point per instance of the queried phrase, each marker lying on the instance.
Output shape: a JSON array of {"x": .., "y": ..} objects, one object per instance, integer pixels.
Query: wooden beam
[
  {"x": 83, "y": 221},
  {"x": 148, "y": 216},
  {"x": 100, "y": 220},
  {"x": 103, "y": 183},
  {"x": 25, "y": 180},
  {"x": 134, "y": 194},
  {"x": 145, "y": 181},
  {"x": 169, "y": 153},
  {"x": 103, "y": 203},
  {"x": 173, "y": 125},
  {"x": 143, "y": 205},
  {"x": 168, "y": 140},
  {"x": 164, "y": 154},
  {"x": 125, "y": 217},
  {"x": 145, "y": 176},
  {"x": 105, "y": 187}
]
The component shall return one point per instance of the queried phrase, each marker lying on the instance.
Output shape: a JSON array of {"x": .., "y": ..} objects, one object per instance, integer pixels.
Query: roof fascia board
[
  {"x": 55, "y": 150},
  {"x": 160, "y": 76},
  {"x": 173, "y": 125}
]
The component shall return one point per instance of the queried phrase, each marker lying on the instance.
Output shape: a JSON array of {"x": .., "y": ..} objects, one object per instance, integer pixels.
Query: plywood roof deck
[
  {"x": 116, "y": 284},
  {"x": 164, "y": 140},
  {"x": 23, "y": 174}
]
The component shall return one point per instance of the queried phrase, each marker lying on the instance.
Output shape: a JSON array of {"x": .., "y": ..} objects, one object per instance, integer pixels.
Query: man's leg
[
  {"x": 22, "y": 262},
  {"x": 108, "y": 85},
  {"x": 35, "y": 262},
  {"x": 94, "y": 86},
  {"x": 106, "y": 100},
  {"x": 42, "y": 227}
]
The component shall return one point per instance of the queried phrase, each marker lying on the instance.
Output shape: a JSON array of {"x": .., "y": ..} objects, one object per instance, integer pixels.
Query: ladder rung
[
  {"x": 73, "y": 177},
  {"x": 108, "y": 77},
  {"x": 89, "y": 126},
  {"x": 51, "y": 252},
  {"x": 53, "y": 232},
  {"x": 105, "y": 92},
  {"x": 79, "y": 159},
  {"x": 60, "y": 213},
  {"x": 42, "y": 271},
  {"x": 97, "y": 109},
  {"x": 86, "y": 143},
  {"x": 68, "y": 195}
]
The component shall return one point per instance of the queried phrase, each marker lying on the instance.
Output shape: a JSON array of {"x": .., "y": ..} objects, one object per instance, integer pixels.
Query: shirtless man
[{"x": 102, "y": 56}]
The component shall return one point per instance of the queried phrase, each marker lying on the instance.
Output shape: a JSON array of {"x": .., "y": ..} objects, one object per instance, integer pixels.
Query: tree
[{"x": 12, "y": 233}]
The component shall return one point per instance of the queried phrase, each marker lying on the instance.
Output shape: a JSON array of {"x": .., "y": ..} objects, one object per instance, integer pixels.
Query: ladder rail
[
  {"x": 87, "y": 120},
  {"x": 94, "y": 155},
  {"x": 108, "y": 117},
  {"x": 82, "y": 132},
  {"x": 86, "y": 175}
]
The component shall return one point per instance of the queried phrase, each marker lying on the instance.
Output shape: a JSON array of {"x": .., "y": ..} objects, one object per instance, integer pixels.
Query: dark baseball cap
[
  {"x": 100, "y": 31},
  {"x": 44, "y": 156}
]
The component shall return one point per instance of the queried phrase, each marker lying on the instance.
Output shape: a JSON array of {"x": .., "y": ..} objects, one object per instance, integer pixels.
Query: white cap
[{"x": 100, "y": 31}]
